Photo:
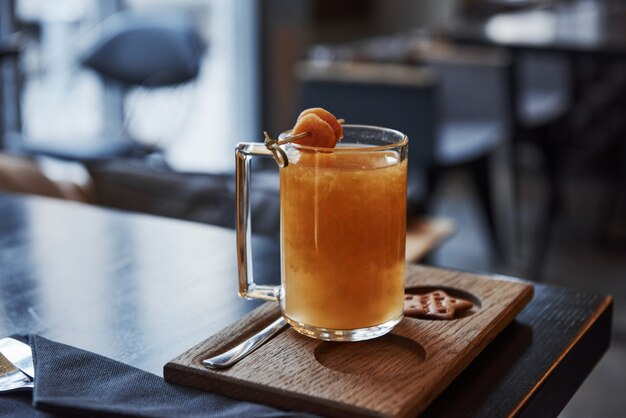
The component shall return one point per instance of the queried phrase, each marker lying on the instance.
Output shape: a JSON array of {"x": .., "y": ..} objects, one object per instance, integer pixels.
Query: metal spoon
[{"x": 235, "y": 354}]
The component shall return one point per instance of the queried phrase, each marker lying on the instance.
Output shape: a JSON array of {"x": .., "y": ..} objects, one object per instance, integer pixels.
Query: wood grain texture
[
  {"x": 397, "y": 375},
  {"x": 548, "y": 340}
]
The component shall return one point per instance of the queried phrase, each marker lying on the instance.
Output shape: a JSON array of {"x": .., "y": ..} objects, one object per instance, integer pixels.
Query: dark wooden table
[{"x": 142, "y": 290}]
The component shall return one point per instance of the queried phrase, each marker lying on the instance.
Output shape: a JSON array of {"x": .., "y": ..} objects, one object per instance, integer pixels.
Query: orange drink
[
  {"x": 343, "y": 238},
  {"x": 343, "y": 230}
]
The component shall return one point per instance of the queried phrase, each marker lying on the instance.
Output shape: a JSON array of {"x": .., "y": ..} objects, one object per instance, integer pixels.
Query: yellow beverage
[{"x": 343, "y": 220}]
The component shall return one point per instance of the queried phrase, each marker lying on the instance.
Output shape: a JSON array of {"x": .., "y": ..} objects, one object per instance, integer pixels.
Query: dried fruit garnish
[
  {"x": 322, "y": 127},
  {"x": 327, "y": 117}
]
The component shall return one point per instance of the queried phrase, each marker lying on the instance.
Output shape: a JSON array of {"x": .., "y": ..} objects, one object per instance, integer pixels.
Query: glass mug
[{"x": 343, "y": 234}]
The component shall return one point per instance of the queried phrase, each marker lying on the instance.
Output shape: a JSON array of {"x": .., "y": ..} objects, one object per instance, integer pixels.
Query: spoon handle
[{"x": 238, "y": 352}]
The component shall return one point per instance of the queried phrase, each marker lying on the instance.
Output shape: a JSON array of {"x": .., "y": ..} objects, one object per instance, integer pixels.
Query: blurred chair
[
  {"x": 133, "y": 49},
  {"x": 542, "y": 103},
  {"x": 533, "y": 102},
  {"x": 454, "y": 120},
  {"x": 146, "y": 50},
  {"x": 544, "y": 88},
  {"x": 475, "y": 121}
]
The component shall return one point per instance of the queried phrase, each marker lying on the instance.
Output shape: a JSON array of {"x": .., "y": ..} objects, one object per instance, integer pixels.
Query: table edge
[{"x": 605, "y": 305}]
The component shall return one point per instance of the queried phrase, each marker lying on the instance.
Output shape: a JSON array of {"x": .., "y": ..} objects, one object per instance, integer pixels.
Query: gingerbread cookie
[{"x": 435, "y": 305}]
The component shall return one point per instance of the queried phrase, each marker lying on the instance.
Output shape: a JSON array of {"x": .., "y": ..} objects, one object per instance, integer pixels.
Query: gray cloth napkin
[{"x": 74, "y": 382}]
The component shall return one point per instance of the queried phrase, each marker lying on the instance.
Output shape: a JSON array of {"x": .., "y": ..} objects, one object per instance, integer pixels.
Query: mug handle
[{"x": 244, "y": 151}]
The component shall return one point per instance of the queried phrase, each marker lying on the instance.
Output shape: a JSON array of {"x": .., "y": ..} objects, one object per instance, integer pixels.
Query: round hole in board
[
  {"x": 453, "y": 293},
  {"x": 388, "y": 356}
]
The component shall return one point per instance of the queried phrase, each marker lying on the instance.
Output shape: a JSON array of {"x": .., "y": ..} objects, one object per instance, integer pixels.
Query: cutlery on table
[
  {"x": 11, "y": 378},
  {"x": 232, "y": 356},
  {"x": 19, "y": 354}
]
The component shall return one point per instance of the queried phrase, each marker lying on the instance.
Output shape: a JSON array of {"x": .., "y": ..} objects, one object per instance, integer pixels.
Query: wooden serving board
[{"x": 396, "y": 375}]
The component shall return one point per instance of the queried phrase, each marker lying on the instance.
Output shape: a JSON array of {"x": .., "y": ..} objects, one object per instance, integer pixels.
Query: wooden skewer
[
  {"x": 294, "y": 138},
  {"x": 279, "y": 154}
]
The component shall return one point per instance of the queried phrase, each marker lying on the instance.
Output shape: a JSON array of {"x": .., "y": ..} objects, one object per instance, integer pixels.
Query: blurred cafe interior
[{"x": 515, "y": 112}]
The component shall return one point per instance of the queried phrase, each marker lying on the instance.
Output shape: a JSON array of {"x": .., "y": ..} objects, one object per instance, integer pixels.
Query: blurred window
[{"x": 198, "y": 124}]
